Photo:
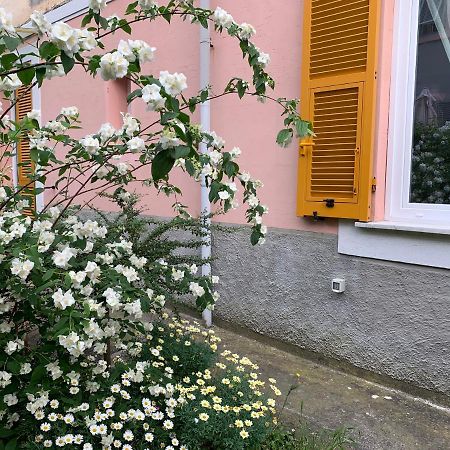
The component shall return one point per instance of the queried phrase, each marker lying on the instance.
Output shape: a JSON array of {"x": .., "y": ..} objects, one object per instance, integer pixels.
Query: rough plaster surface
[{"x": 393, "y": 319}]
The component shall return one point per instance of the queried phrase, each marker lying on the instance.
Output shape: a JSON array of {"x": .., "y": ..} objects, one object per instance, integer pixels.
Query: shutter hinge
[{"x": 374, "y": 184}]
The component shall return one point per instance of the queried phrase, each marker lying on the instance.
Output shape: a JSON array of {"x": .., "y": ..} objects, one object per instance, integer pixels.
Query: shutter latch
[
  {"x": 374, "y": 184},
  {"x": 304, "y": 145},
  {"x": 329, "y": 202}
]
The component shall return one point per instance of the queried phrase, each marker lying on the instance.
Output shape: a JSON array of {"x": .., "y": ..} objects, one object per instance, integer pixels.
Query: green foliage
[
  {"x": 304, "y": 438},
  {"x": 186, "y": 354},
  {"x": 175, "y": 242},
  {"x": 431, "y": 164}
]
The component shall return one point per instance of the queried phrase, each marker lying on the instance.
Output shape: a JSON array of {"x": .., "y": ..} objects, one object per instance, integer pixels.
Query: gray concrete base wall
[{"x": 393, "y": 319}]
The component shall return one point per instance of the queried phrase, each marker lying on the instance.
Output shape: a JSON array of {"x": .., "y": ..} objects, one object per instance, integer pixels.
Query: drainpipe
[{"x": 205, "y": 121}]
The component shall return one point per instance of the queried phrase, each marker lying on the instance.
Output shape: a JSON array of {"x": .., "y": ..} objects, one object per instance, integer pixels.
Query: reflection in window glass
[{"x": 430, "y": 174}]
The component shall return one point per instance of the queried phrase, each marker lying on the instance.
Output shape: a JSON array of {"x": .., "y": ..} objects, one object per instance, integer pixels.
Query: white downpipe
[{"x": 205, "y": 121}]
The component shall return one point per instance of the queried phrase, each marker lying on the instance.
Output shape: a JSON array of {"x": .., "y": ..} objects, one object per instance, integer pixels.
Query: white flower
[
  {"x": 134, "y": 309},
  {"x": 21, "y": 268},
  {"x": 246, "y": 31},
  {"x": 177, "y": 275},
  {"x": 10, "y": 82},
  {"x": 252, "y": 201},
  {"x": 62, "y": 258},
  {"x": 168, "y": 139},
  {"x": 215, "y": 157},
  {"x": 264, "y": 59},
  {"x": 130, "y": 125},
  {"x": 25, "y": 368},
  {"x": 10, "y": 399},
  {"x": 65, "y": 37},
  {"x": 151, "y": 94},
  {"x": 91, "y": 144},
  {"x": 136, "y": 145},
  {"x": 87, "y": 40},
  {"x": 222, "y": 18},
  {"x": 106, "y": 131},
  {"x": 3, "y": 194},
  {"x": 136, "y": 49},
  {"x": 244, "y": 177},
  {"x": 34, "y": 114},
  {"x": 13, "y": 346},
  {"x": 113, "y": 66},
  {"x": 112, "y": 298},
  {"x": 126, "y": 51},
  {"x": 173, "y": 83},
  {"x": 6, "y": 21},
  {"x": 196, "y": 289},
  {"x": 63, "y": 300},
  {"x": 122, "y": 168},
  {"x": 224, "y": 195},
  {"x": 147, "y": 4},
  {"x": 39, "y": 21},
  {"x": 97, "y": 5},
  {"x": 138, "y": 262},
  {"x": 70, "y": 111},
  {"x": 218, "y": 142},
  {"x": 54, "y": 71},
  {"x": 235, "y": 152}
]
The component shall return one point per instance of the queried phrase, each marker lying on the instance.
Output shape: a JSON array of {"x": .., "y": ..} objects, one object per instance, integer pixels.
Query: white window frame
[
  {"x": 411, "y": 233},
  {"x": 401, "y": 117}
]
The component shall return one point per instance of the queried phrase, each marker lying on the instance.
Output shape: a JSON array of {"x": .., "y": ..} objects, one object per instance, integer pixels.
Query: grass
[{"x": 304, "y": 438}]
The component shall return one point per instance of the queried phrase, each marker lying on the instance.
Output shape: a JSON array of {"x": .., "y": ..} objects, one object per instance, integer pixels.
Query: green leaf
[
  {"x": 11, "y": 445},
  {"x": 181, "y": 152},
  {"x": 162, "y": 164},
  {"x": 131, "y": 8},
  {"x": 40, "y": 75},
  {"x": 67, "y": 62},
  {"x": 86, "y": 19},
  {"x": 231, "y": 169},
  {"x": 38, "y": 374},
  {"x": 47, "y": 275},
  {"x": 284, "y": 136},
  {"x": 47, "y": 50},
  {"x": 241, "y": 88},
  {"x": 11, "y": 42},
  {"x": 303, "y": 128},
  {"x": 125, "y": 26},
  {"x": 254, "y": 238},
  {"x": 214, "y": 190},
  {"x": 26, "y": 76},
  {"x": 166, "y": 117},
  {"x": 8, "y": 60},
  {"x": 190, "y": 167},
  {"x": 5, "y": 432}
]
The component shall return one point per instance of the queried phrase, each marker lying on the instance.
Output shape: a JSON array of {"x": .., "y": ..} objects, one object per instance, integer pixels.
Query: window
[
  {"x": 419, "y": 141},
  {"x": 339, "y": 98}
]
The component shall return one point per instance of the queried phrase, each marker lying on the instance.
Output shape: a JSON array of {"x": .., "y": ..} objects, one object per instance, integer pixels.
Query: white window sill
[
  {"x": 403, "y": 226},
  {"x": 396, "y": 241}
]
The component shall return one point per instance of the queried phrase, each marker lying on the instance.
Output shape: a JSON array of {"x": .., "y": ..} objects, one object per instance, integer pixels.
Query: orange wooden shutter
[
  {"x": 25, "y": 166},
  {"x": 339, "y": 98}
]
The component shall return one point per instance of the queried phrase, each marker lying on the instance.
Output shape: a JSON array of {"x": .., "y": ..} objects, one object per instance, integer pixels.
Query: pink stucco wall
[{"x": 247, "y": 123}]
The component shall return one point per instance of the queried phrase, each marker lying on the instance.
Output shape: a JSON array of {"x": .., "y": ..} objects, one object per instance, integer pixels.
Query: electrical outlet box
[{"x": 338, "y": 285}]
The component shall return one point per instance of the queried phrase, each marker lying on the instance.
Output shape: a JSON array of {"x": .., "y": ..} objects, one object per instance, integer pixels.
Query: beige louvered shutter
[
  {"x": 338, "y": 97},
  {"x": 25, "y": 166}
]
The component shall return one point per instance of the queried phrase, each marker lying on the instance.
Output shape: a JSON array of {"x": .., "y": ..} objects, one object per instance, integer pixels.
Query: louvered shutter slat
[
  {"x": 338, "y": 90},
  {"x": 25, "y": 166}
]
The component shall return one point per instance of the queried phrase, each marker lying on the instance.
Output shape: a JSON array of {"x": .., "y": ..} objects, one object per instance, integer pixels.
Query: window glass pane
[{"x": 430, "y": 174}]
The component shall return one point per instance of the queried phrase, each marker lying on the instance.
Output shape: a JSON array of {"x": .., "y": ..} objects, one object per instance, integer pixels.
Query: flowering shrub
[
  {"x": 169, "y": 246},
  {"x": 431, "y": 164},
  {"x": 151, "y": 400},
  {"x": 73, "y": 292}
]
